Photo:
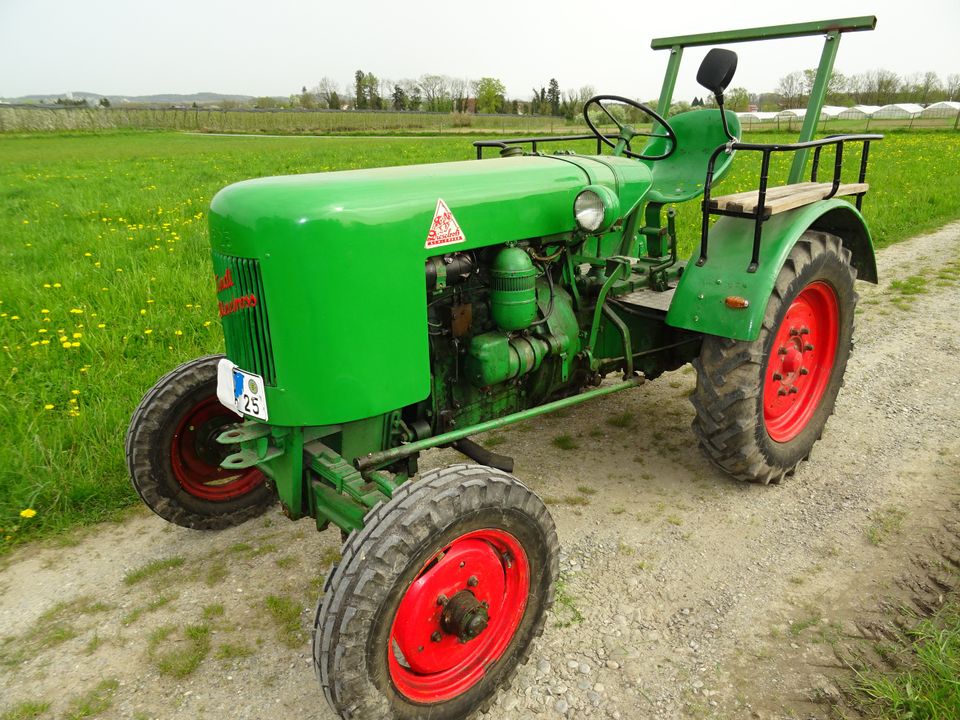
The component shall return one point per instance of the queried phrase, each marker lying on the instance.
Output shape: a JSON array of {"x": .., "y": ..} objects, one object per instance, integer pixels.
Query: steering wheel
[{"x": 627, "y": 132}]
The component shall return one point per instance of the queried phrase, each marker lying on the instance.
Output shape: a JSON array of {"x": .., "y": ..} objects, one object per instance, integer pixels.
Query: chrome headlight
[{"x": 596, "y": 208}]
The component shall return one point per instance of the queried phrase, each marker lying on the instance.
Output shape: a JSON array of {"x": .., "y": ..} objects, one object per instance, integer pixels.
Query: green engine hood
[{"x": 341, "y": 257}]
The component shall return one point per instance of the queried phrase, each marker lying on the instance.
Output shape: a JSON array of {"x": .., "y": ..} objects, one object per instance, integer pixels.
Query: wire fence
[{"x": 31, "y": 118}]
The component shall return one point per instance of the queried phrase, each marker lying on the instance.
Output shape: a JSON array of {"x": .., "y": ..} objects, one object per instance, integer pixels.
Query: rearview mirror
[{"x": 716, "y": 71}]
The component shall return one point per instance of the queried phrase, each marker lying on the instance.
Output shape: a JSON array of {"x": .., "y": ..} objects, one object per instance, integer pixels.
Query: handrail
[{"x": 761, "y": 212}]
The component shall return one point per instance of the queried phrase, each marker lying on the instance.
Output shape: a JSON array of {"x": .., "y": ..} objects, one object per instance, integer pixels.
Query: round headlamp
[{"x": 596, "y": 208}]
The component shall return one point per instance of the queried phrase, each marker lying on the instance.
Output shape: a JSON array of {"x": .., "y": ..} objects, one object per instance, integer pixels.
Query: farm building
[
  {"x": 793, "y": 114},
  {"x": 829, "y": 112},
  {"x": 947, "y": 108},
  {"x": 756, "y": 116},
  {"x": 858, "y": 112},
  {"x": 898, "y": 111}
]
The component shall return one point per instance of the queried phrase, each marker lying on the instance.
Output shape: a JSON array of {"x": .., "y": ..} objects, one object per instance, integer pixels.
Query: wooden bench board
[{"x": 781, "y": 198}]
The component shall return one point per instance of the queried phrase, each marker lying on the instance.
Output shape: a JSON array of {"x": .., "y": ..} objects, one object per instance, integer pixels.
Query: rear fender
[{"x": 698, "y": 303}]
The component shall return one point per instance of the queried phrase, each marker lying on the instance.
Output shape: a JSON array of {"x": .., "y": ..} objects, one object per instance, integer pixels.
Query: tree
[
  {"x": 790, "y": 89},
  {"x": 264, "y": 102},
  {"x": 359, "y": 90},
  {"x": 490, "y": 92},
  {"x": 435, "y": 93},
  {"x": 882, "y": 86},
  {"x": 104, "y": 102},
  {"x": 952, "y": 87},
  {"x": 929, "y": 87},
  {"x": 459, "y": 92},
  {"x": 327, "y": 93},
  {"x": 306, "y": 98},
  {"x": 553, "y": 96},
  {"x": 736, "y": 99},
  {"x": 399, "y": 98}
]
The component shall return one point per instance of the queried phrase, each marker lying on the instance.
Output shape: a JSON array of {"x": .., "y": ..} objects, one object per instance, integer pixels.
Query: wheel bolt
[
  {"x": 472, "y": 582},
  {"x": 808, "y": 347},
  {"x": 777, "y": 376},
  {"x": 794, "y": 390},
  {"x": 441, "y": 599},
  {"x": 462, "y": 563},
  {"x": 420, "y": 648},
  {"x": 781, "y": 391},
  {"x": 782, "y": 350},
  {"x": 804, "y": 331},
  {"x": 794, "y": 331},
  {"x": 436, "y": 637},
  {"x": 804, "y": 371}
]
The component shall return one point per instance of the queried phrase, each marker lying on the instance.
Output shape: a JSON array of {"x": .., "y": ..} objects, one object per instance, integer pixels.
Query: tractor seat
[{"x": 680, "y": 176}]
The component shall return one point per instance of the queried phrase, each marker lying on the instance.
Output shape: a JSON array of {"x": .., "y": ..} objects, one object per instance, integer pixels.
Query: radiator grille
[{"x": 245, "y": 327}]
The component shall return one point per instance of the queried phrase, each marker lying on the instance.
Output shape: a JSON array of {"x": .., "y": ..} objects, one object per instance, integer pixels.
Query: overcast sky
[{"x": 131, "y": 47}]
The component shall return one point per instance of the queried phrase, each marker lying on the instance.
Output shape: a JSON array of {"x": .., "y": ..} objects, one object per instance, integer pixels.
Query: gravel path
[{"x": 683, "y": 594}]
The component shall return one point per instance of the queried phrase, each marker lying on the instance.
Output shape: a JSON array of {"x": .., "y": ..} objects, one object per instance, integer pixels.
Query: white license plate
[{"x": 241, "y": 391}]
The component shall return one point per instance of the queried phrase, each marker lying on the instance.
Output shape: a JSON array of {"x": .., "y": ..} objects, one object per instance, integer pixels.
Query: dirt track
[{"x": 684, "y": 594}]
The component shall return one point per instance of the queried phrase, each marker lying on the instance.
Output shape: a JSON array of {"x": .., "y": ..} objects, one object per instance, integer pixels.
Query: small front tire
[
  {"x": 174, "y": 459},
  {"x": 437, "y": 599}
]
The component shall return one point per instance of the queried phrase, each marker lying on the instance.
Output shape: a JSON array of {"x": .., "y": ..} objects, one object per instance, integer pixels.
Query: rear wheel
[
  {"x": 762, "y": 405},
  {"x": 437, "y": 598},
  {"x": 174, "y": 459}
]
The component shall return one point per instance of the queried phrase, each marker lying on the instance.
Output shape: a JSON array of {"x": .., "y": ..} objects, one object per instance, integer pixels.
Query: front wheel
[
  {"x": 174, "y": 458},
  {"x": 762, "y": 405},
  {"x": 437, "y": 598}
]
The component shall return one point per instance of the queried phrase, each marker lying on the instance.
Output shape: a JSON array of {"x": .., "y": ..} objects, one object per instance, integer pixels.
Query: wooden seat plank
[{"x": 781, "y": 198}]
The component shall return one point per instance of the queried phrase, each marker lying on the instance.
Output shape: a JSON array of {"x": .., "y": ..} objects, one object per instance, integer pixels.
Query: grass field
[{"x": 106, "y": 282}]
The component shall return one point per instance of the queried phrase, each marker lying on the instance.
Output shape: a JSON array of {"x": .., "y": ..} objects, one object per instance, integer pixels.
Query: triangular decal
[{"x": 444, "y": 230}]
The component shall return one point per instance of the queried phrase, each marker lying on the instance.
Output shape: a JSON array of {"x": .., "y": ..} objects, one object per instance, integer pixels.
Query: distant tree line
[{"x": 874, "y": 87}]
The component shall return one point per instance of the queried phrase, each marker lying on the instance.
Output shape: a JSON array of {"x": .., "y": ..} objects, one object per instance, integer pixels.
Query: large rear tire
[
  {"x": 761, "y": 405},
  {"x": 437, "y": 599},
  {"x": 174, "y": 459}
]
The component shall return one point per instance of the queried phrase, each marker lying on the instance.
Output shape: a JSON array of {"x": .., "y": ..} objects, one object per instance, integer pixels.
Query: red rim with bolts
[
  {"x": 801, "y": 361},
  {"x": 458, "y": 616},
  {"x": 196, "y": 455}
]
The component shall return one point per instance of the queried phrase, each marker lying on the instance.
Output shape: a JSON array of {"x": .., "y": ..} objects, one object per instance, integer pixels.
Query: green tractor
[{"x": 372, "y": 314}]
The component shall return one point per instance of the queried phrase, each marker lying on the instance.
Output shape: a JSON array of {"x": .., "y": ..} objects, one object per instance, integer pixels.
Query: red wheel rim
[
  {"x": 196, "y": 455},
  {"x": 801, "y": 361},
  {"x": 427, "y": 662}
]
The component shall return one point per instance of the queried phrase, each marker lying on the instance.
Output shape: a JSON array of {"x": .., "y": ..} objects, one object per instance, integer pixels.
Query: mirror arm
[{"x": 723, "y": 116}]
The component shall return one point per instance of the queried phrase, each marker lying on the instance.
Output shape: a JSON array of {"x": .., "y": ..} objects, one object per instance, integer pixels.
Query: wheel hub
[{"x": 464, "y": 616}]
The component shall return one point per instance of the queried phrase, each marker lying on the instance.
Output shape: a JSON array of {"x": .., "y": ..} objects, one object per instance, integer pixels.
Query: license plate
[{"x": 241, "y": 391}]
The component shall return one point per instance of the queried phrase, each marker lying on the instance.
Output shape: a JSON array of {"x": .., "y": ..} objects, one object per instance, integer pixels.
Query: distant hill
[{"x": 201, "y": 98}]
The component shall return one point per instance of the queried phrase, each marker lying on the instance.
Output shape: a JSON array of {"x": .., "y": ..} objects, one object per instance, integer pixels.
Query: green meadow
[{"x": 105, "y": 280}]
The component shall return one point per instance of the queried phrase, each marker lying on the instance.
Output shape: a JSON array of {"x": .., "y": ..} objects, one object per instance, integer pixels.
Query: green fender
[{"x": 698, "y": 303}]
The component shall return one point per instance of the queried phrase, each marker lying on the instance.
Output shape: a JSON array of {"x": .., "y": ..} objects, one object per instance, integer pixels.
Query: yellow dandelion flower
[
  {"x": 14, "y": 317},
  {"x": 42, "y": 330},
  {"x": 178, "y": 332},
  {"x": 44, "y": 311},
  {"x": 48, "y": 406},
  {"x": 44, "y": 342},
  {"x": 77, "y": 335},
  {"x": 76, "y": 311},
  {"x": 75, "y": 392},
  {"x": 207, "y": 323},
  {"x": 150, "y": 301},
  {"x": 46, "y": 285},
  {"x": 88, "y": 254},
  {"x": 101, "y": 325},
  {"x": 56, "y": 285},
  {"x": 147, "y": 331},
  {"x": 34, "y": 343},
  {"x": 76, "y": 344},
  {"x": 143, "y": 311},
  {"x": 26, "y": 222},
  {"x": 28, "y": 513}
]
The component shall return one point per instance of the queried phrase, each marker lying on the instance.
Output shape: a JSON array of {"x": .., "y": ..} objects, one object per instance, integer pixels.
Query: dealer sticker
[{"x": 444, "y": 230}]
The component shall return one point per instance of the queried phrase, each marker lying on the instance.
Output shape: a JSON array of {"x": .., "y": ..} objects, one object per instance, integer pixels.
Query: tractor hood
[{"x": 340, "y": 266}]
